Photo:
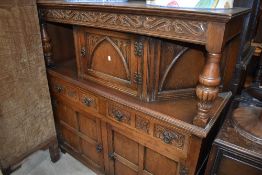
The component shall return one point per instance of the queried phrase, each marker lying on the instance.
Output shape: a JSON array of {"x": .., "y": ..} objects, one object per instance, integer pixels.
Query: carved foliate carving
[
  {"x": 142, "y": 124},
  {"x": 169, "y": 136},
  {"x": 165, "y": 27}
]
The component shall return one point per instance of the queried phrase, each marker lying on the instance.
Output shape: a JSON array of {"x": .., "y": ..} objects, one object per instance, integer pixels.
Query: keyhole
[{"x": 109, "y": 58}]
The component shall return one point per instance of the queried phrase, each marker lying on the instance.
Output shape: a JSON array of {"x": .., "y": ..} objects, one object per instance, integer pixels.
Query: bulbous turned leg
[
  {"x": 208, "y": 88},
  {"x": 47, "y": 46}
]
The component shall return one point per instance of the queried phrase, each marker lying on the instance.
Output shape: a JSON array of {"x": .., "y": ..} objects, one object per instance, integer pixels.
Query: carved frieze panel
[
  {"x": 142, "y": 124},
  {"x": 169, "y": 136},
  {"x": 72, "y": 93},
  {"x": 143, "y": 24}
]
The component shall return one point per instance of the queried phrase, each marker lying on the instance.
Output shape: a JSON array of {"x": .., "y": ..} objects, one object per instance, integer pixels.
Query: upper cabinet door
[{"x": 109, "y": 58}]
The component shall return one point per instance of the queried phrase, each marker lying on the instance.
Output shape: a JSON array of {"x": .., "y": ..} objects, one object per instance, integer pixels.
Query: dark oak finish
[
  {"x": 143, "y": 82},
  {"x": 125, "y": 71},
  {"x": 233, "y": 154},
  {"x": 162, "y": 130}
]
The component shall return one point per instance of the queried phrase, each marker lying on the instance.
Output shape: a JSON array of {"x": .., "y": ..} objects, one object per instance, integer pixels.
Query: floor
[{"x": 40, "y": 164}]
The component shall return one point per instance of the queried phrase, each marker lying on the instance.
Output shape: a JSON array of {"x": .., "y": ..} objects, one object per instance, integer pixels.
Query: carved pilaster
[
  {"x": 47, "y": 46},
  {"x": 207, "y": 90}
]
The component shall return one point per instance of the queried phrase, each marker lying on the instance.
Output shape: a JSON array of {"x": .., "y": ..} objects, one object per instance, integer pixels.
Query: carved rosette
[
  {"x": 208, "y": 88},
  {"x": 161, "y": 26},
  {"x": 169, "y": 136}
]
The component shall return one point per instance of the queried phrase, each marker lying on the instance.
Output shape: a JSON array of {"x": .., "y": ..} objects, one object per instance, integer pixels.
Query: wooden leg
[
  {"x": 63, "y": 150},
  {"x": 208, "y": 88},
  {"x": 47, "y": 46},
  {"x": 6, "y": 171},
  {"x": 54, "y": 152}
]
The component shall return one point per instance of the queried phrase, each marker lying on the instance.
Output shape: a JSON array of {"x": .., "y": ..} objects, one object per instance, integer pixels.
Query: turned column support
[
  {"x": 209, "y": 79},
  {"x": 47, "y": 45},
  {"x": 208, "y": 88}
]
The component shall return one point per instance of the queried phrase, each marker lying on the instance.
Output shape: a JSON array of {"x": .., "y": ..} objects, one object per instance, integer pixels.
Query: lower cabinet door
[
  {"x": 80, "y": 134},
  {"x": 90, "y": 140},
  {"x": 128, "y": 157},
  {"x": 123, "y": 154}
]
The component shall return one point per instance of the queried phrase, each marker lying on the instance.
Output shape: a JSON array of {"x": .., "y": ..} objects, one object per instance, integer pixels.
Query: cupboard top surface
[
  {"x": 179, "y": 113},
  {"x": 140, "y": 7}
]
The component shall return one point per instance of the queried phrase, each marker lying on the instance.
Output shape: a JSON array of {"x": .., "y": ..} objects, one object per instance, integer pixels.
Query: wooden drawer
[
  {"x": 74, "y": 94},
  {"x": 119, "y": 114},
  {"x": 57, "y": 87},
  {"x": 88, "y": 99},
  {"x": 108, "y": 58},
  {"x": 159, "y": 132},
  {"x": 169, "y": 136}
]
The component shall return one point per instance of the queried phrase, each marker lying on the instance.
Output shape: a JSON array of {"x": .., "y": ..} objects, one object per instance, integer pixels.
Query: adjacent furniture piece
[
  {"x": 233, "y": 154},
  {"x": 246, "y": 50},
  {"x": 26, "y": 117},
  {"x": 138, "y": 89}
]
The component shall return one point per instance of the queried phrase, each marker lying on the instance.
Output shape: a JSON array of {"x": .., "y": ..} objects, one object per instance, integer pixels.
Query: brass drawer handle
[
  {"x": 58, "y": 88},
  {"x": 87, "y": 101},
  {"x": 118, "y": 115},
  {"x": 99, "y": 148},
  {"x": 112, "y": 156},
  {"x": 168, "y": 137}
]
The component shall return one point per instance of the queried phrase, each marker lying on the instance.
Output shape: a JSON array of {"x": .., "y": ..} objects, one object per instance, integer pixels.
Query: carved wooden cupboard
[{"x": 137, "y": 89}]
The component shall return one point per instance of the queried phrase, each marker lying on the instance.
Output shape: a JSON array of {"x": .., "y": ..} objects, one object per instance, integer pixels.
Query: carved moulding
[{"x": 144, "y": 24}]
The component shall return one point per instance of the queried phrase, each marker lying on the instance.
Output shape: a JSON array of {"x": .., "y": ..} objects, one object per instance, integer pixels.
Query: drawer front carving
[
  {"x": 142, "y": 124},
  {"x": 71, "y": 93},
  {"x": 119, "y": 114},
  {"x": 169, "y": 136},
  {"x": 75, "y": 94},
  {"x": 88, "y": 100}
]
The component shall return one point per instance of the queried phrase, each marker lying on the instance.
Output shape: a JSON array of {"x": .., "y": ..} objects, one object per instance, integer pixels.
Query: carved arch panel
[
  {"x": 176, "y": 67},
  {"x": 106, "y": 57}
]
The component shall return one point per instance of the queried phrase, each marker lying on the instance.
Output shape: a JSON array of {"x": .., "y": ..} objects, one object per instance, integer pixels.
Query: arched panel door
[{"x": 108, "y": 58}]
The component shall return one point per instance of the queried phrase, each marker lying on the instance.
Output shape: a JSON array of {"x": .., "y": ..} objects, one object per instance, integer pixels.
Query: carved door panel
[
  {"x": 80, "y": 133},
  {"x": 66, "y": 120},
  {"x": 157, "y": 164},
  {"x": 128, "y": 157},
  {"x": 90, "y": 140},
  {"x": 123, "y": 154},
  {"x": 109, "y": 58}
]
